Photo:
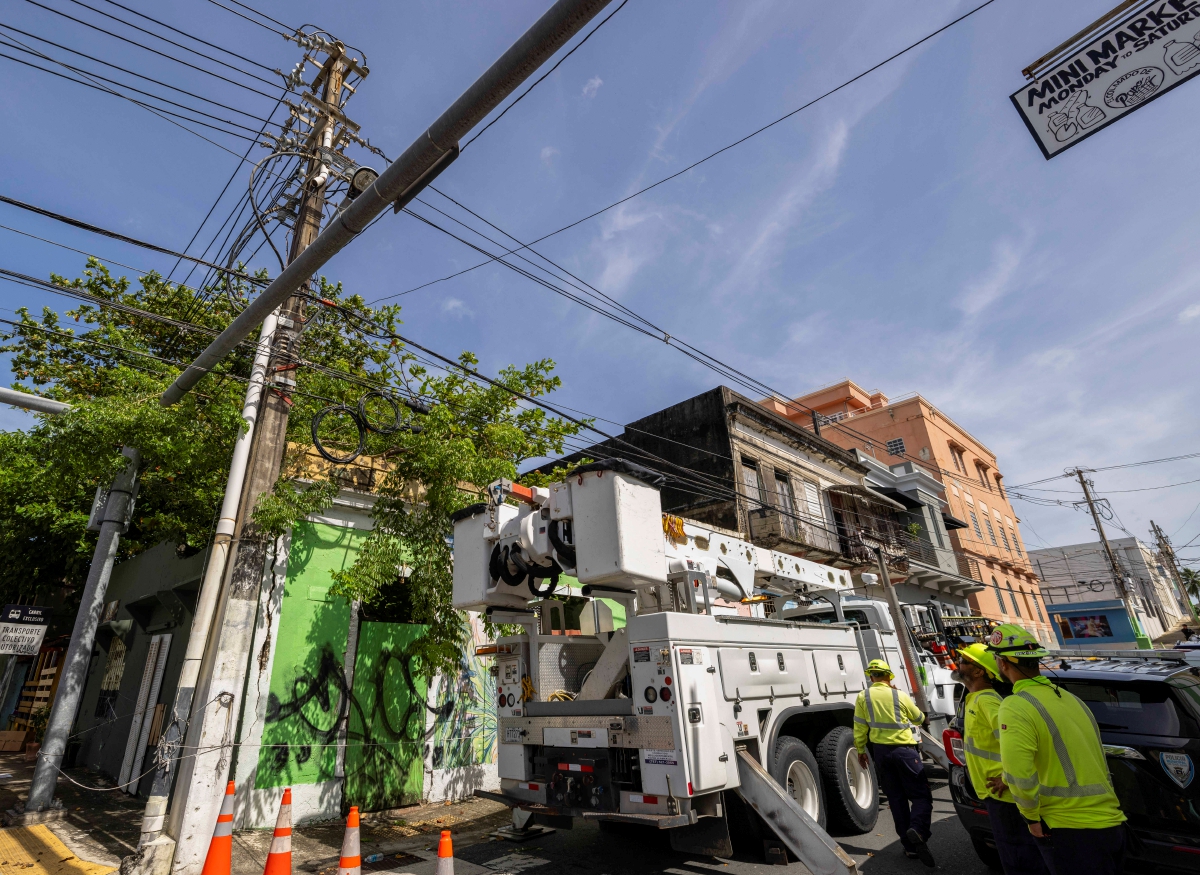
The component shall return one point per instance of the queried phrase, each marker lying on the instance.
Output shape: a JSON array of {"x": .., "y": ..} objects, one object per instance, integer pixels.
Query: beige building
[{"x": 984, "y": 528}]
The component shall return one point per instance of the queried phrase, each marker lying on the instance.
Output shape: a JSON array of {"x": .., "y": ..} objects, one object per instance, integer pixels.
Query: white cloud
[
  {"x": 592, "y": 86},
  {"x": 1190, "y": 313},
  {"x": 548, "y": 153},
  {"x": 995, "y": 282},
  {"x": 456, "y": 308}
]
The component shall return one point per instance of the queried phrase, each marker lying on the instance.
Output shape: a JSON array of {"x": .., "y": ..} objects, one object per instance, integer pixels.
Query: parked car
[{"x": 1148, "y": 711}]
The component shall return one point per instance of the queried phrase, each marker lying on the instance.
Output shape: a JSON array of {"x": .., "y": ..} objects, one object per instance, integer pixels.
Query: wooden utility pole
[
  {"x": 200, "y": 783},
  {"x": 1114, "y": 566},
  {"x": 1168, "y": 553}
]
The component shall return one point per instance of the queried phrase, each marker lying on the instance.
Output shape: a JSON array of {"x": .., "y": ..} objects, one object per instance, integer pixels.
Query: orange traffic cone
[
  {"x": 445, "y": 864},
  {"x": 279, "y": 860},
  {"x": 220, "y": 852},
  {"x": 351, "y": 861}
]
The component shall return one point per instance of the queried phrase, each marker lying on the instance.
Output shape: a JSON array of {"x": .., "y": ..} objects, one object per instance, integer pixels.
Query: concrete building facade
[
  {"x": 983, "y": 525},
  {"x": 1080, "y": 573}
]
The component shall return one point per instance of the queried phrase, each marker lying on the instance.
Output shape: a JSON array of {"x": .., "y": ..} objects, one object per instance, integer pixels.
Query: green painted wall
[
  {"x": 385, "y": 742},
  {"x": 306, "y": 677}
]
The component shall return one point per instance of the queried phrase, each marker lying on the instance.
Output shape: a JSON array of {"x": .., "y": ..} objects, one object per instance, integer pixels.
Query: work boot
[{"x": 920, "y": 848}]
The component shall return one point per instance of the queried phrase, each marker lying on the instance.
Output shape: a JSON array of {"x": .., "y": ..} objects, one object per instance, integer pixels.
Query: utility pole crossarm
[{"x": 561, "y": 22}]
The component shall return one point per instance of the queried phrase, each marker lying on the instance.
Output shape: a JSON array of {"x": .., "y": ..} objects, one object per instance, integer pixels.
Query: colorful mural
[{"x": 464, "y": 726}]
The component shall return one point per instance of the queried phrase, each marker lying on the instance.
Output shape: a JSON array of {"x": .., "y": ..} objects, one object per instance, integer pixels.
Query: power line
[
  {"x": 172, "y": 42},
  {"x": 149, "y": 94},
  {"x": 153, "y": 51},
  {"x": 538, "y": 81},
  {"x": 769, "y": 125},
  {"x": 256, "y": 12},
  {"x": 1109, "y": 468},
  {"x": 193, "y": 37},
  {"x": 133, "y": 241},
  {"x": 131, "y": 72},
  {"x": 163, "y": 114}
]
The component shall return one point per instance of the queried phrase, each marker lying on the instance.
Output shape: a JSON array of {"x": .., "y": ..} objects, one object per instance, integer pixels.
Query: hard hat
[
  {"x": 878, "y": 666},
  {"x": 982, "y": 657},
  {"x": 1013, "y": 641}
]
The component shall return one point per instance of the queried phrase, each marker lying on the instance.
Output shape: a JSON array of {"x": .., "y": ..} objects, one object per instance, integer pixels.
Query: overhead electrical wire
[
  {"x": 157, "y": 112},
  {"x": 192, "y": 94},
  {"x": 154, "y": 51},
  {"x": 287, "y": 32},
  {"x": 539, "y": 80},
  {"x": 193, "y": 37}
]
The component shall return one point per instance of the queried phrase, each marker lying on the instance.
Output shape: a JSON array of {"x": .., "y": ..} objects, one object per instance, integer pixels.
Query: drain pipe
[{"x": 206, "y": 607}]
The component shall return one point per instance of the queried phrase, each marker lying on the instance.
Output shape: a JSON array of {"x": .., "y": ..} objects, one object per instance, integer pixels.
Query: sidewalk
[{"x": 102, "y": 825}]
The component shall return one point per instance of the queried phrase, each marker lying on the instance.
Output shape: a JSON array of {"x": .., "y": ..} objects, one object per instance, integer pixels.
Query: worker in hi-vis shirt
[
  {"x": 887, "y": 722},
  {"x": 1018, "y": 850},
  {"x": 1053, "y": 762}
]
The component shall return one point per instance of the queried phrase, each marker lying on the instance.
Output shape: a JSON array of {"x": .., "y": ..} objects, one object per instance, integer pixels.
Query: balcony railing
[{"x": 780, "y": 531}]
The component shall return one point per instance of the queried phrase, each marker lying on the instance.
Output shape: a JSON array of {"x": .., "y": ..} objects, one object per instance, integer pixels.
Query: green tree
[
  {"x": 1191, "y": 583},
  {"x": 111, "y": 361}
]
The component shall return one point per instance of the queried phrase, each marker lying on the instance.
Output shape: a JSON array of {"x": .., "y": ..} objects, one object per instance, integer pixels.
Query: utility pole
[
  {"x": 201, "y": 779},
  {"x": 1114, "y": 566},
  {"x": 903, "y": 637},
  {"x": 1168, "y": 553},
  {"x": 115, "y": 519},
  {"x": 213, "y": 726}
]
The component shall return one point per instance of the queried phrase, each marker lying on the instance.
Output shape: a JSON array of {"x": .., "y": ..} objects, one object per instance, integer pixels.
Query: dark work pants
[
  {"x": 1020, "y": 853},
  {"x": 902, "y": 778},
  {"x": 1090, "y": 851}
]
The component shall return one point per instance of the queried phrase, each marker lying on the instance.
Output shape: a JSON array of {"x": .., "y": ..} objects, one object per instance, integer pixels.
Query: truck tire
[
  {"x": 795, "y": 769},
  {"x": 852, "y": 791}
]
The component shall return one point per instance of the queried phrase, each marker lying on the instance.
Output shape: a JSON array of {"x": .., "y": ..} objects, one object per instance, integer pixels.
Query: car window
[{"x": 1141, "y": 707}]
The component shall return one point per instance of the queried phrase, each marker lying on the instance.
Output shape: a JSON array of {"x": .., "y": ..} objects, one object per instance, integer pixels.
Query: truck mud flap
[
  {"x": 804, "y": 838},
  {"x": 709, "y": 837}
]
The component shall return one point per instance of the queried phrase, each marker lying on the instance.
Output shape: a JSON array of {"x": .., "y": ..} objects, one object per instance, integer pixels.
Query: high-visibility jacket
[
  {"x": 885, "y": 715},
  {"x": 981, "y": 741},
  {"x": 1052, "y": 758}
]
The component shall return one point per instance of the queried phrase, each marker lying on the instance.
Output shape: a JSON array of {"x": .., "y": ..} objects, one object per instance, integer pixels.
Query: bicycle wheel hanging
[{"x": 351, "y": 433}]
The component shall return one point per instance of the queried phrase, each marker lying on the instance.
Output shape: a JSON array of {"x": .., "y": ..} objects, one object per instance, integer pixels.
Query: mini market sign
[{"x": 1137, "y": 60}]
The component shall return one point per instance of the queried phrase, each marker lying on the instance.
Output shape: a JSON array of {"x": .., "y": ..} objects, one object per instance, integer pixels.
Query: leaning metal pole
[
  {"x": 167, "y": 754},
  {"x": 420, "y": 163},
  {"x": 83, "y": 636}
]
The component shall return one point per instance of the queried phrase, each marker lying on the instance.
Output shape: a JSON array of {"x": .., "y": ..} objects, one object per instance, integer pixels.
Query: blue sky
[{"x": 905, "y": 233}]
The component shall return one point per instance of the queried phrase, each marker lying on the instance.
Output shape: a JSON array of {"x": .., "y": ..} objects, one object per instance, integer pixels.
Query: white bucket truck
[{"x": 663, "y": 721}]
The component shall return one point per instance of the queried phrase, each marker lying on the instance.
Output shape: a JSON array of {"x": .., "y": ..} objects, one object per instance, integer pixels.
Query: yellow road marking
[{"x": 35, "y": 850}]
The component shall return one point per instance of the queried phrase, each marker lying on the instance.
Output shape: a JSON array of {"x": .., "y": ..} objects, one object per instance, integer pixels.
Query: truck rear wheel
[
  {"x": 852, "y": 791},
  {"x": 795, "y": 769}
]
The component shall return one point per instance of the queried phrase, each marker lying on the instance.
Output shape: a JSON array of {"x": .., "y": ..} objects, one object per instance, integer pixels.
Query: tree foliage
[{"x": 112, "y": 364}]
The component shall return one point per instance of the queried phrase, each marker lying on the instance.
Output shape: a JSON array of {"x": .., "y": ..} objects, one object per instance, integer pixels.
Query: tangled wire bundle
[{"x": 363, "y": 424}]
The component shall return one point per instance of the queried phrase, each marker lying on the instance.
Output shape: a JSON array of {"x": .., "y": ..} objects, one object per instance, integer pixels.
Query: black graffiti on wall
[{"x": 308, "y": 720}]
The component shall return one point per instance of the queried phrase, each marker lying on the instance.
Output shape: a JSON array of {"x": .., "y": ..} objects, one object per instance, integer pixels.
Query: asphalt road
[{"x": 624, "y": 850}]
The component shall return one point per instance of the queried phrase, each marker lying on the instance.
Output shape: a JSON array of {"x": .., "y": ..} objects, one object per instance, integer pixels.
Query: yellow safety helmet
[
  {"x": 1013, "y": 641},
  {"x": 878, "y": 666},
  {"x": 982, "y": 657}
]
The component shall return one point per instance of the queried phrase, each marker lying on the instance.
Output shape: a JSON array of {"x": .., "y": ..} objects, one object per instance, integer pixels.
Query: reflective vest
[
  {"x": 981, "y": 741},
  {"x": 1052, "y": 758},
  {"x": 884, "y": 715}
]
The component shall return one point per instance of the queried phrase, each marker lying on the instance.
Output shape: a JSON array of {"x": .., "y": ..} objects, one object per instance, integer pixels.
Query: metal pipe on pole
[
  {"x": 902, "y": 634},
  {"x": 208, "y": 602},
  {"x": 35, "y": 403},
  {"x": 404, "y": 178},
  {"x": 117, "y": 510}
]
